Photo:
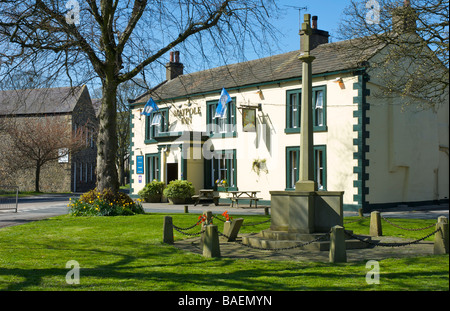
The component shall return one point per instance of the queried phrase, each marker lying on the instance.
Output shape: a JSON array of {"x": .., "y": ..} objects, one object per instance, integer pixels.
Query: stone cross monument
[
  {"x": 306, "y": 181},
  {"x": 305, "y": 210}
]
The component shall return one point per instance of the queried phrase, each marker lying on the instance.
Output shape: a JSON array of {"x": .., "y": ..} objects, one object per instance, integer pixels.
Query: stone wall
[
  {"x": 75, "y": 174},
  {"x": 54, "y": 176},
  {"x": 84, "y": 162}
]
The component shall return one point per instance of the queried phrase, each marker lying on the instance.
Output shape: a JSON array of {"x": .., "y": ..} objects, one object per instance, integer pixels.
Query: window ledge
[{"x": 223, "y": 135}]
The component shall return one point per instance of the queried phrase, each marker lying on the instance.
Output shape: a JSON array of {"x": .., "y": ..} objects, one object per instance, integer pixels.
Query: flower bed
[{"x": 106, "y": 203}]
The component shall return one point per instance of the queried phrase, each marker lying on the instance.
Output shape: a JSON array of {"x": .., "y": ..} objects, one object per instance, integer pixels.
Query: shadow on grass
[{"x": 162, "y": 267}]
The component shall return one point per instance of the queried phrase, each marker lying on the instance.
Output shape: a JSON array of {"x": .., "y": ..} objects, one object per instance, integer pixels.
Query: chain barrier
[
  {"x": 180, "y": 230},
  {"x": 215, "y": 217},
  {"x": 349, "y": 234},
  {"x": 191, "y": 227},
  {"x": 408, "y": 229},
  {"x": 391, "y": 223},
  {"x": 245, "y": 225},
  {"x": 320, "y": 238}
]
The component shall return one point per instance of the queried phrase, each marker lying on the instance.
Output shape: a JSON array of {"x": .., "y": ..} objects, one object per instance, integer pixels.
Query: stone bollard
[
  {"x": 266, "y": 211},
  {"x": 168, "y": 230},
  {"x": 211, "y": 246},
  {"x": 231, "y": 229},
  {"x": 441, "y": 237},
  {"x": 226, "y": 227},
  {"x": 360, "y": 212},
  {"x": 208, "y": 215},
  {"x": 208, "y": 221},
  {"x": 186, "y": 209},
  {"x": 338, "y": 252},
  {"x": 443, "y": 219},
  {"x": 375, "y": 224}
]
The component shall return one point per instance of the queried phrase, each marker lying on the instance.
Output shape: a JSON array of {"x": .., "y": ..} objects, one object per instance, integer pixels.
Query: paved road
[
  {"x": 45, "y": 206},
  {"x": 35, "y": 208},
  {"x": 420, "y": 212}
]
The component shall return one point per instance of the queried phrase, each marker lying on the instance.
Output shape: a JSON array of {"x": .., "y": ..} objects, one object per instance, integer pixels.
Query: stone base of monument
[
  {"x": 303, "y": 216},
  {"x": 269, "y": 239}
]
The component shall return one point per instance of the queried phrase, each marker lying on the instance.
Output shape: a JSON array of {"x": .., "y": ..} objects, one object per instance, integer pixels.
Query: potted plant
[
  {"x": 259, "y": 165},
  {"x": 152, "y": 192},
  {"x": 221, "y": 185},
  {"x": 179, "y": 191}
]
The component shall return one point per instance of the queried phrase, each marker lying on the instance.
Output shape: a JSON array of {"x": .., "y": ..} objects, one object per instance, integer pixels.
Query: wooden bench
[
  {"x": 236, "y": 200},
  {"x": 206, "y": 195}
]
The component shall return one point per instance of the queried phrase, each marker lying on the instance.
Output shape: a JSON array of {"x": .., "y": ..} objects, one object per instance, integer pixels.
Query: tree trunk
[
  {"x": 121, "y": 167},
  {"x": 37, "y": 177},
  {"x": 107, "y": 139}
]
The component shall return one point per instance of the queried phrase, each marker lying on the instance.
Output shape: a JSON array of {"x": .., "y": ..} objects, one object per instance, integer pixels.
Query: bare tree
[
  {"x": 38, "y": 141},
  {"x": 416, "y": 64},
  {"x": 127, "y": 90},
  {"x": 117, "y": 40}
]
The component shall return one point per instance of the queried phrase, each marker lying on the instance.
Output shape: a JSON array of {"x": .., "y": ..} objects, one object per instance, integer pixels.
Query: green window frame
[
  {"x": 222, "y": 165},
  {"x": 152, "y": 167},
  {"x": 293, "y": 109},
  {"x": 152, "y": 131},
  {"x": 292, "y": 166},
  {"x": 221, "y": 127},
  {"x": 319, "y": 101},
  {"x": 320, "y": 166},
  {"x": 293, "y": 163}
]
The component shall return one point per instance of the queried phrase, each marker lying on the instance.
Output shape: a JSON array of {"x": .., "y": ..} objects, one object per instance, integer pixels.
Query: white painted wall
[{"x": 270, "y": 141}]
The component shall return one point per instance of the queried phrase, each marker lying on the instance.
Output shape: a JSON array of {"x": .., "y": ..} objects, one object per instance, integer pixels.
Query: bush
[
  {"x": 106, "y": 203},
  {"x": 152, "y": 192},
  {"x": 179, "y": 189}
]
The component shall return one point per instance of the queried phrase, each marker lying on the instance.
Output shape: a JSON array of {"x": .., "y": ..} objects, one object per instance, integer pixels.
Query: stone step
[
  {"x": 284, "y": 235},
  {"x": 295, "y": 236},
  {"x": 263, "y": 242}
]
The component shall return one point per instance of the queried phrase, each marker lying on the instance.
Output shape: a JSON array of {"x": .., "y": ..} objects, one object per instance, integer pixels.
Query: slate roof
[
  {"x": 40, "y": 101},
  {"x": 330, "y": 57}
]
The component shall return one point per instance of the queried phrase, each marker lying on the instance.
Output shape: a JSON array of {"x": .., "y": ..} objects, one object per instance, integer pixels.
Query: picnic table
[
  {"x": 206, "y": 195},
  {"x": 244, "y": 195}
]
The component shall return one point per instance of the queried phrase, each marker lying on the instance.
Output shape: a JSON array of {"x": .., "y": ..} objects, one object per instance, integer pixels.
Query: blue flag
[
  {"x": 224, "y": 99},
  {"x": 149, "y": 107}
]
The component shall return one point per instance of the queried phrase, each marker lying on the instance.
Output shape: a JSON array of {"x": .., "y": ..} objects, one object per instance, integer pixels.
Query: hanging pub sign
[{"x": 249, "y": 119}]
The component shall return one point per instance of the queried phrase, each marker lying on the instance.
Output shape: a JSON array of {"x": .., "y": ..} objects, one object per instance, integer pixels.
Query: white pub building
[{"x": 378, "y": 152}]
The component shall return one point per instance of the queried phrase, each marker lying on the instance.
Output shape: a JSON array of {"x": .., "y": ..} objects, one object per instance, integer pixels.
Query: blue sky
[{"x": 328, "y": 11}]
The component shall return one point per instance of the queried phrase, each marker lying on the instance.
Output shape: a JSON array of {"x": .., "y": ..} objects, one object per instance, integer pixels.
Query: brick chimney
[
  {"x": 174, "y": 68},
  {"x": 317, "y": 37},
  {"x": 404, "y": 19}
]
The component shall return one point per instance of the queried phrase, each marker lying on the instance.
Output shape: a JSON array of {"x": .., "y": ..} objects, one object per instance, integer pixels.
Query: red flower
[
  {"x": 225, "y": 214},
  {"x": 201, "y": 218}
]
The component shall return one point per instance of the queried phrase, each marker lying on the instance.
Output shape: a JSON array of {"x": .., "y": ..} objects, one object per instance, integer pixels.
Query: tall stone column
[
  {"x": 305, "y": 210},
  {"x": 306, "y": 177}
]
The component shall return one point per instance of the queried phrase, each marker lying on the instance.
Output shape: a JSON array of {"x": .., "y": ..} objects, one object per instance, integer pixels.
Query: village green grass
[{"x": 125, "y": 253}]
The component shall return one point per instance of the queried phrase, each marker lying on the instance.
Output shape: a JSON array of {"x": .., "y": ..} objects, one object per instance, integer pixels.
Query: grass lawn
[{"x": 126, "y": 253}]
